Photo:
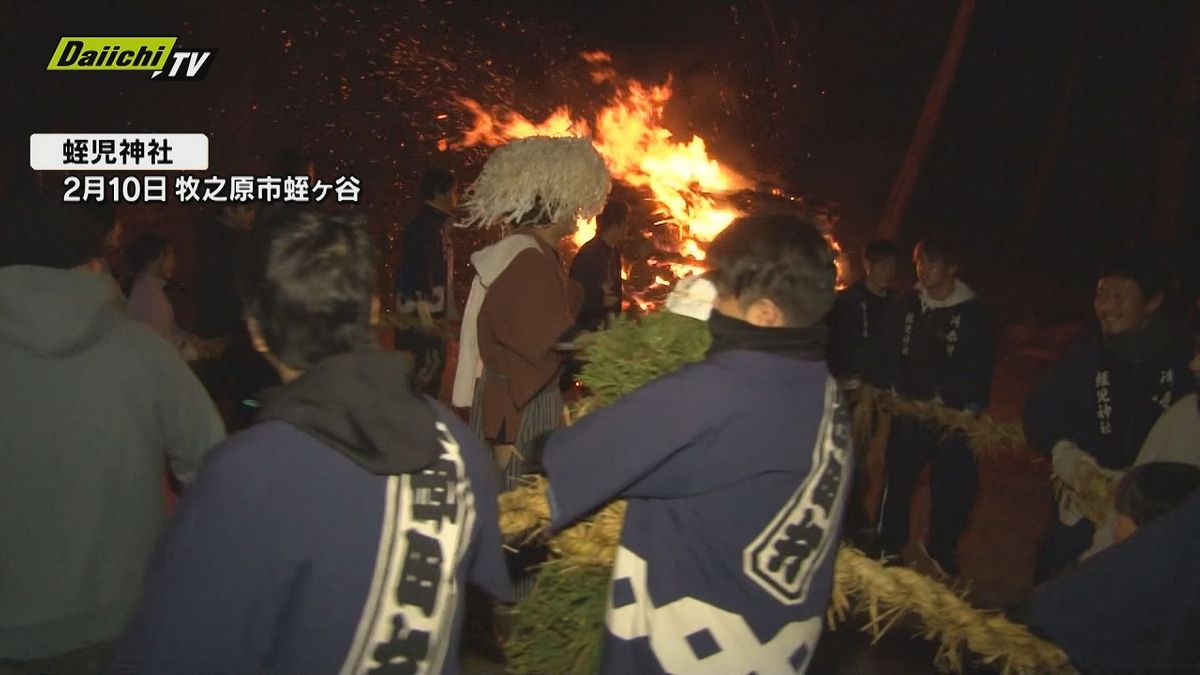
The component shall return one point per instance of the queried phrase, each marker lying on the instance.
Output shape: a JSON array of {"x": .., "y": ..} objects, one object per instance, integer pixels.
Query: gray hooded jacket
[{"x": 92, "y": 403}]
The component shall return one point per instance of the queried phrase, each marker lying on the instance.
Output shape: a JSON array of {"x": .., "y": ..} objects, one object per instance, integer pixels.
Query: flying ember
[
  {"x": 629, "y": 134},
  {"x": 685, "y": 184}
]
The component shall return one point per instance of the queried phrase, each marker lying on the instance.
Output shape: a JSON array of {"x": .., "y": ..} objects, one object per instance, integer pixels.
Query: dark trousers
[
  {"x": 953, "y": 484},
  {"x": 1062, "y": 546},
  {"x": 857, "y": 524},
  {"x": 429, "y": 359}
]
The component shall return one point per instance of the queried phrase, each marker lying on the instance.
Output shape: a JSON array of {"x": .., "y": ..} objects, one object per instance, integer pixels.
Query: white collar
[{"x": 959, "y": 295}]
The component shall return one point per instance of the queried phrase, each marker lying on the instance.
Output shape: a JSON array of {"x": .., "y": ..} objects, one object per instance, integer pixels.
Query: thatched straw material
[
  {"x": 538, "y": 179},
  {"x": 1092, "y": 495},
  {"x": 865, "y": 586},
  {"x": 883, "y": 595},
  {"x": 560, "y": 625}
]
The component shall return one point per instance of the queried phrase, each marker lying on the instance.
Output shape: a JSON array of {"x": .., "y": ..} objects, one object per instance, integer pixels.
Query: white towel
[{"x": 489, "y": 263}]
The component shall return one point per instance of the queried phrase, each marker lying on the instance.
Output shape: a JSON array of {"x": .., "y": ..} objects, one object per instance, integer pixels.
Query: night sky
[{"x": 820, "y": 97}]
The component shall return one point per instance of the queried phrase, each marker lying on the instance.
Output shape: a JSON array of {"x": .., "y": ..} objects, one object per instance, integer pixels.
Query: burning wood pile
[{"x": 680, "y": 196}]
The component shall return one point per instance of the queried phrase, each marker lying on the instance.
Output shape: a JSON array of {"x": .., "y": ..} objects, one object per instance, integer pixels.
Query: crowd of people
[
  {"x": 338, "y": 526},
  {"x": 1121, "y": 403}
]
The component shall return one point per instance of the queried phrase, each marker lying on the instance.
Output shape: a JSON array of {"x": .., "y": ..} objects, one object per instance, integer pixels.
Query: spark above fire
[
  {"x": 640, "y": 152},
  {"x": 687, "y": 187}
]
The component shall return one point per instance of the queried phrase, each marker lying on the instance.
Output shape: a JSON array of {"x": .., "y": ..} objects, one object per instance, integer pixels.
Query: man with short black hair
[
  {"x": 597, "y": 267},
  {"x": 339, "y": 532},
  {"x": 733, "y": 469},
  {"x": 935, "y": 345},
  {"x": 425, "y": 278},
  {"x": 1100, "y": 401},
  {"x": 858, "y": 311},
  {"x": 1134, "y": 609},
  {"x": 94, "y": 402},
  {"x": 235, "y": 379}
]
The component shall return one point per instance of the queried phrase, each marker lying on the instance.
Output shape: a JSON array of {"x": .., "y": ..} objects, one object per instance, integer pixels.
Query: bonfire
[{"x": 682, "y": 196}]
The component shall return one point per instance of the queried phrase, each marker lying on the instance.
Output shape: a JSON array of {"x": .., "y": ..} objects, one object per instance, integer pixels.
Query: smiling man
[
  {"x": 1100, "y": 401},
  {"x": 934, "y": 344}
]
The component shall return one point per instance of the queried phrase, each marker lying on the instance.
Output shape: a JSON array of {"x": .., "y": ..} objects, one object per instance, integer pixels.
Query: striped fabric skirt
[{"x": 542, "y": 414}]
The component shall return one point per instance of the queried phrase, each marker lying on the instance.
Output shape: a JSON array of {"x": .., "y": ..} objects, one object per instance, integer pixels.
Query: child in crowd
[
  {"x": 1135, "y": 608},
  {"x": 152, "y": 262},
  {"x": 1150, "y": 490}
]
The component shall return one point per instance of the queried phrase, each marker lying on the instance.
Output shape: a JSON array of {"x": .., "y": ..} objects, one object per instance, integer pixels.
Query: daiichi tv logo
[{"x": 156, "y": 54}]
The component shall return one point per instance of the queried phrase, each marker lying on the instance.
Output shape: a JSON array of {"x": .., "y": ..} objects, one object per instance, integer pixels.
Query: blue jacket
[
  {"x": 855, "y": 318},
  {"x": 1105, "y": 403},
  {"x": 927, "y": 349},
  {"x": 1135, "y": 607},
  {"x": 270, "y": 564},
  {"x": 734, "y": 470}
]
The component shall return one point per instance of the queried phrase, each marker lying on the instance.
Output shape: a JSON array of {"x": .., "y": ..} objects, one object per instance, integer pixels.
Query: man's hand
[
  {"x": 213, "y": 349},
  {"x": 424, "y": 314},
  {"x": 1067, "y": 459},
  {"x": 610, "y": 299}
]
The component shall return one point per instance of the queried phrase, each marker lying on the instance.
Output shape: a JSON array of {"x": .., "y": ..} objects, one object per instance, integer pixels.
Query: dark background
[{"x": 820, "y": 97}]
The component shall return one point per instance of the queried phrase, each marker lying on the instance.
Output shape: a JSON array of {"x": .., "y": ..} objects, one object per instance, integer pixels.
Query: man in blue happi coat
[{"x": 734, "y": 470}]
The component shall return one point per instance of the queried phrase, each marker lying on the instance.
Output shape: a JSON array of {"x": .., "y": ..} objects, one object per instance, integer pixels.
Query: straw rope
[
  {"x": 560, "y": 632},
  {"x": 883, "y": 595},
  {"x": 862, "y": 585},
  {"x": 1090, "y": 490},
  {"x": 1093, "y": 492},
  {"x": 982, "y": 432}
]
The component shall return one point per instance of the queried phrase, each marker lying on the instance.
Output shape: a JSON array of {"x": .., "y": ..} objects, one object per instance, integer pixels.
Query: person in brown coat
[
  {"x": 528, "y": 310},
  {"x": 520, "y": 307}
]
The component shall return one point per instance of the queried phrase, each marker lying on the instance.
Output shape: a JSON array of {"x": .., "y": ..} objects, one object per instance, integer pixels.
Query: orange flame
[
  {"x": 638, "y": 149},
  {"x": 501, "y": 127},
  {"x": 843, "y": 272},
  {"x": 628, "y": 133},
  {"x": 585, "y": 230}
]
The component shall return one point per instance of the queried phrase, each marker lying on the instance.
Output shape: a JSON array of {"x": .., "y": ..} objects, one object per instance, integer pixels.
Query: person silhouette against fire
[
  {"x": 425, "y": 277},
  {"x": 521, "y": 309},
  {"x": 597, "y": 267}
]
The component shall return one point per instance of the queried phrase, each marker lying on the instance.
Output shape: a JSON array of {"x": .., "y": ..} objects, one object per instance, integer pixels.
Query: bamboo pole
[{"x": 931, "y": 114}]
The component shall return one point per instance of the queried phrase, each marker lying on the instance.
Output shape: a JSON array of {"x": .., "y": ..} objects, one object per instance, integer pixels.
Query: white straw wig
[{"x": 538, "y": 180}]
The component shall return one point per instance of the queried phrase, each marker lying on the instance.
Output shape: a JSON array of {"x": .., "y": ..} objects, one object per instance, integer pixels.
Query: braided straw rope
[
  {"x": 983, "y": 433},
  {"x": 525, "y": 515},
  {"x": 885, "y": 594},
  {"x": 1092, "y": 494},
  {"x": 1091, "y": 491},
  {"x": 882, "y": 594}
]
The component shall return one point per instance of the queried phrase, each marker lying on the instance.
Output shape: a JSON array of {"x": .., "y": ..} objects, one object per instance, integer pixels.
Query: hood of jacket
[
  {"x": 364, "y": 405},
  {"x": 54, "y": 312},
  {"x": 958, "y": 296}
]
